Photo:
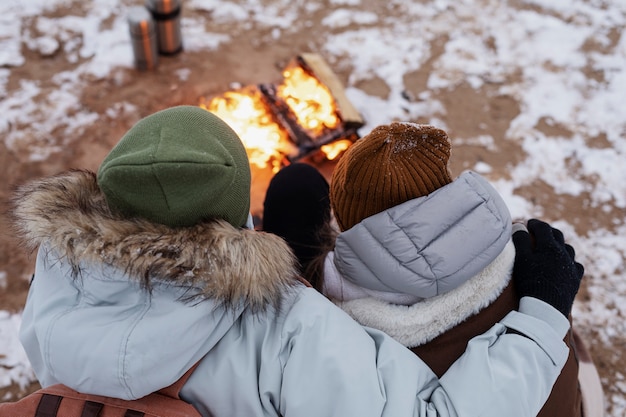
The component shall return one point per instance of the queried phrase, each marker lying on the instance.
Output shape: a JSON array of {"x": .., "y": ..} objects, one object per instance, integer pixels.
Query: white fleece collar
[{"x": 421, "y": 322}]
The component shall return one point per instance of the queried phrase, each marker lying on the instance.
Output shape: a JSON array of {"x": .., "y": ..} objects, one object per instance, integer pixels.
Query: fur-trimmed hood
[{"x": 68, "y": 212}]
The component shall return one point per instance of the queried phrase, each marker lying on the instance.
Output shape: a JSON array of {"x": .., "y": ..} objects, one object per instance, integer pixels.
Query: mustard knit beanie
[
  {"x": 393, "y": 164},
  {"x": 178, "y": 167}
]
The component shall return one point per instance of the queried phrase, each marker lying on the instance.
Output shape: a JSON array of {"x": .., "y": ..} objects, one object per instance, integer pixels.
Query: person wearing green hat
[{"x": 152, "y": 265}]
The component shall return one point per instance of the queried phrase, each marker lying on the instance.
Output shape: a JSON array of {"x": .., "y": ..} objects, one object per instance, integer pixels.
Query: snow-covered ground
[{"x": 563, "y": 61}]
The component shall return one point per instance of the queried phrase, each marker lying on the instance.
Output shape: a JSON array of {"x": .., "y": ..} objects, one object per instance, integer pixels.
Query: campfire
[{"x": 306, "y": 114}]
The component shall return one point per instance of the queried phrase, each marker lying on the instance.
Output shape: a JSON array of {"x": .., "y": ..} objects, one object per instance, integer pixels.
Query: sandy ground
[{"x": 251, "y": 58}]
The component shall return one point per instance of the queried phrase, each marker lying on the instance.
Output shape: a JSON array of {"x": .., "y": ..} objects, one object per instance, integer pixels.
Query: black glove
[{"x": 545, "y": 267}]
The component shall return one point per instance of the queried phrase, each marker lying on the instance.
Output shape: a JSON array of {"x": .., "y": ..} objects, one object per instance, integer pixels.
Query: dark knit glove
[{"x": 545, "y": 267}]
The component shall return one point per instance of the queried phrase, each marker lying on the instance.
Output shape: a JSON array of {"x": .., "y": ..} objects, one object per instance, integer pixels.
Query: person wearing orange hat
[{"x": 424, "y": 257}]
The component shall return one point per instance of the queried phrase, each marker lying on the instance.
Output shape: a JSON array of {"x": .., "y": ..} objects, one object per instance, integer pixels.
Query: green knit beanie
[{"x": 178, "y": 167}]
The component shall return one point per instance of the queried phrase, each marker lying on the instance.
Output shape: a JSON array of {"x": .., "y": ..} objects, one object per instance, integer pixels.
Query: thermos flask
[
  {"x": 143, "y": 38},
  {"x": 166, "y": 14}
]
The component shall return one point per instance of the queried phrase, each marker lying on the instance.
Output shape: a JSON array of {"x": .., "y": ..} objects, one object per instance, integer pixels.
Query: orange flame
[
  {"x": 332, "y": 150},
  {"x": 311, "y": 101},
  {"x": 244, "y": 111},
  {"x": 266, "y": 142}
]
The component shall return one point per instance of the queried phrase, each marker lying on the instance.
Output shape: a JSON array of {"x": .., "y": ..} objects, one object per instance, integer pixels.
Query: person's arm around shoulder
[
  {"x": 335, "y": 367},
  {"x": 510, "y": 369},
  {"x": 526, "y": 354},
  {"x": 546, "y": 277}
]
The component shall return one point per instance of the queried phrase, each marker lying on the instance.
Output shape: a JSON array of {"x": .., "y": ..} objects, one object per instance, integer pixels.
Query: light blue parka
[{"x": 123, "y": 307}]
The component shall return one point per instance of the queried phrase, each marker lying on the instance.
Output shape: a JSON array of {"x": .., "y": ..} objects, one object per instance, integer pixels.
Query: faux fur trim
[
  {"x": 68, "y": 213},
  {"x": 423, "y": 321}
]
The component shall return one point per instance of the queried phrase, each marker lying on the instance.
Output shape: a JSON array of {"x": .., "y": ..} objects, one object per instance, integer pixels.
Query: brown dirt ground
[{"x": 255, "y": 59}]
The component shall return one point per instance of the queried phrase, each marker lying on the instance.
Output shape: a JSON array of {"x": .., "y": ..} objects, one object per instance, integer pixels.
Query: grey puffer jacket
[
  {"x": 121, "y": 307},
  {"x": 424, "y": 266}
]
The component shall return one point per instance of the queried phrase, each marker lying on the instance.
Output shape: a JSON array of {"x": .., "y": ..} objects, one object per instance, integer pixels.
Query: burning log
[
  {"x": 307, "y": 113},
  {"x": 284, "y": 115},
  {"x": 317, "y": 66}
]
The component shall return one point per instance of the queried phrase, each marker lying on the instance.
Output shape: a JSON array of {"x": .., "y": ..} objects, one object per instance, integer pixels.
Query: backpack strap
[
  {"x": 174, "y": 389},
  {"x": 48, "y": 406},
  {"x": 50, "y": 399}
]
